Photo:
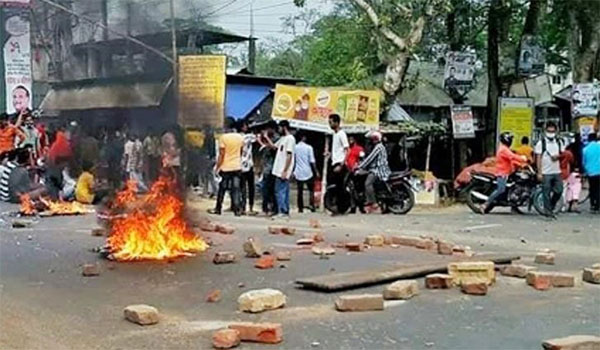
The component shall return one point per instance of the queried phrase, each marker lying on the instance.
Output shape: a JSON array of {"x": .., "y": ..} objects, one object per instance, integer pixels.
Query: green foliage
[{"x": 420, "y": 129}]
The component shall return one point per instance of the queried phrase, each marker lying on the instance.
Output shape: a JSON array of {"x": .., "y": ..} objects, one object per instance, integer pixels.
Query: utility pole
[
  {"x": 252, "y": 43},
  {"x": 174, "y": 46},
  {"x": 106, "y": 55},
  {"x": 130, "y": 67}
]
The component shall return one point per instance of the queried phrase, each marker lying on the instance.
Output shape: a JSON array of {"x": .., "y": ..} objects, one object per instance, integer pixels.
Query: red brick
[
  {"x": 516, "y": 270},
  {"x": 445, "y": 248},
  {"x": 355, "y": 247},
  {"x": 266, "y": 262},
  {"x": 224, "y": 258},
  {"x": 359, "y": 302},
  {"x": 288, "y": 230},
  {"x": 474, "y": 288},
  {"x": 438, "y": 281},
  {"x": 90, "y": 270},
  {"x": 318, "y": 237},
  {"x": 573, "y": 342},
  {"x": 539, "y": 280},
  {"x": 426, "y": 244},
  {"x": 225, "y": 229},
  {"x": 275, "y": 230},
  {"x": 226, "y": 339},
  {"x": 214, "y": 296},
  {"x": 269, "y": 333},
  {"x": 405, "y": 240}
]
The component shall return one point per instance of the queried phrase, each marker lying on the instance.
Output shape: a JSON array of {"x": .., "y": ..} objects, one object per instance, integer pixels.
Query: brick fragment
[
  {"x": 591, "y": 275},
  {"x": 214, "y": 296},
  {"x": 544, "y": 258},
  {"x": 265, "y": 262},
  {"x": 438, "y": 281},
  {"x": 260, "y": 300},
  {"x": 226, "y": 339},
  {"x": 253, "y": 248},
  {"x": 401, "y": 290},
  {"x": 275, "y": 230},
  {"x": 539, "y": 280},
  {"x": 141, "y": 314},
  {"x": 476, "y": 288},
  {"x": 283, "y": 256},
  {"x": 286, "y": 230},
  {"x": 318, "y": 237},
  {"x": 268, "y": 333},
  {"x": 355, "y": 247},
  {"x": 208, "y": 226},
  {"x": 445, "y": 247},
  {"x": 573, "y": 342},
  {"x": 427, "y": 244},
  {"x": 314, "y": 223},
  {"x": 323, "y": 251},
  {"x": 375, "y": 240},
  {"x": 472, "y": 272},
  {"x": 224, "y": 258},
  {"x": 516, "y": 270},
  {"x": 359, "y": 302},
  {"x": 224, "y": 229},
  {"x": 89, "y": 270},
  {"x": 560, "y": 279},
  {"x": 305, "y": 241}
]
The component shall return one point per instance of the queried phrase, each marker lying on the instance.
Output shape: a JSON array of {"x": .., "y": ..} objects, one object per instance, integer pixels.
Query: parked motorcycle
[{"x": 394, "y": 195}]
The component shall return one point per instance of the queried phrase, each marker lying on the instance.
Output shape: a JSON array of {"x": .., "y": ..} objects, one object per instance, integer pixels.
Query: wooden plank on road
[{"x": 357, "y": 279}]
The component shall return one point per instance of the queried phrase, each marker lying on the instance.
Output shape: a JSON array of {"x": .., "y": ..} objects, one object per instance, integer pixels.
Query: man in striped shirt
[
  {"x": 377, "y": 165},
  {"x": 5, "y": 170}
]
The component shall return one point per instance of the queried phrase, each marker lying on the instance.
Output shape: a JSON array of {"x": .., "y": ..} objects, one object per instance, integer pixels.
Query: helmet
[
  {"x": 506, "y": 138},
  {"x": 375, "y": 135}
]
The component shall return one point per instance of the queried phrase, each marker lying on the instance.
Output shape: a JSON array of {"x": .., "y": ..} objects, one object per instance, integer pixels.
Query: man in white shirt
[
  {"x": 133, "y": 159},
  {"x": 339, "y": 152},
  {"x": 283, "y": 166},
  {"x": 547, "y": 154},
  {"x": 247, "y": 183},
  {"x": 305, "y": 172}
]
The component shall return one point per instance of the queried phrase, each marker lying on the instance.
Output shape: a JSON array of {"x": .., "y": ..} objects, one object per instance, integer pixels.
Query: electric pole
[
  {"x": 174, "y": 45},
  {"x": 252, "y": 43}
]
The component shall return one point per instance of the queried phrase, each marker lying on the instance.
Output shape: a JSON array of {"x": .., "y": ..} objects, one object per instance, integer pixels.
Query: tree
[{"x": 584, "y": 37}]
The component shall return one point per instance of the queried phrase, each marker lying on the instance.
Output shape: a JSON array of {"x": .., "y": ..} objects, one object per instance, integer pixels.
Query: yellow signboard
[
  {"x": 202, "y": 90},
  {"x": 516, "y": 115},
  {"x": 310, "y": 107}
]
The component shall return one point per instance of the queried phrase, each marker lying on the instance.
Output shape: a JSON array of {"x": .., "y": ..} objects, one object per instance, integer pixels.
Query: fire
[
  {"x": 155, "y": 229},
  {"x": 27, "y": 206}
]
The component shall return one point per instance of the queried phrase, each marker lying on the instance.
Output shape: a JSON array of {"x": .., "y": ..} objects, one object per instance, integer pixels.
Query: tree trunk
[
  {"x": 395, "y": 72},
  {"x": 534, "y": 14},
  {"x": 585, "y": 39},
  {"x": 494, "y": 84}
]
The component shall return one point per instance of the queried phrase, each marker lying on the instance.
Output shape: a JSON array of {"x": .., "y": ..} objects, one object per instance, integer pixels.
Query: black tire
[
  {"x": 538, "y": 202},
  {"x": 473, "y": 202},
  {"x": 403, "y": 200},
  {"x": 332, "y": 205}
]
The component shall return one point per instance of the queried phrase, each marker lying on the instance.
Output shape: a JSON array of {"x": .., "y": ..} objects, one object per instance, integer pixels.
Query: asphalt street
[{"x": 45, "y": 303}]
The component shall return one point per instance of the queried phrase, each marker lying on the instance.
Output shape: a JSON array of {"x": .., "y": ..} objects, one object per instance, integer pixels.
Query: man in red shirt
[
  {"x": 506, "y": 160},
  {"x": 353, "y": 157}
]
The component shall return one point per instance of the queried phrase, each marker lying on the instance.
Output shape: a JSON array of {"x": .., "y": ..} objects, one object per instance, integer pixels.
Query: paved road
[{"x": 46, "y": 303}]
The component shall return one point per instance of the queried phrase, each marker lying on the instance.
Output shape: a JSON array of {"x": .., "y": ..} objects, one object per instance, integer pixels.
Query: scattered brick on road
[
  {"x": 275, "y": 230},
  {"x": 89, "y": 270},
  {"x": 375, "y": 240},
  {"x": 224, "y": 229},
  {"x": 560, "y": 279},
  {"x": 462, "y": 251},
  {"x": 405, "y": 240},
  {"x": 573, "y": 342},
  {"x": 253, "y": 248},
  {"x": 214, "y": 296},
  {"x": 314, "y": 223},
  {"x": 472, "y": 272},
  {"x": 265, "y": 262},
  {"x": 208, "y": 226},
  {"x": 286, "y": 230},
  {"x": 544, "y": 258},
  {"x": 226, "y": 338},
  {"x": 305, "y": 241},
  {"x": 323, "y": 251},
  {"x": 438, "y": 281},
  {"x": 269, "y": 333},
  {"x": 359, "y": 302},
  {"x": 475, "y": 288},
  {"x": 224, "y": 258},
  {"x": 591, "y": 275},
  {"x": 318, "y": 237},
  {"x": 355, "y": 246},
  {"x": 283, "y": 256},
  {"x": 539, "y": 280},
  {"x": 427, "y": 244},
  {"x": 141, "y": 314},
  {"x": 516, "y": 270},
  {"x": 260, "y": 300},
  {"x": 401, "y": 290},
  {"x": 445, "y": 247}
]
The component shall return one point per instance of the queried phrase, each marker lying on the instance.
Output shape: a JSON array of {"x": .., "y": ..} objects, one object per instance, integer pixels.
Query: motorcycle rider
[
  {"x": 376, "y": 163},
  {"x": 506, "y": 160}
]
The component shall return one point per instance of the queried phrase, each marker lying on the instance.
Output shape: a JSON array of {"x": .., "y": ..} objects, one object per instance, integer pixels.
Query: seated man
[
  {"x": 16, "y": 180},
  {"x": 377, "y": 165},
  {"x": 86, "y": 190}
]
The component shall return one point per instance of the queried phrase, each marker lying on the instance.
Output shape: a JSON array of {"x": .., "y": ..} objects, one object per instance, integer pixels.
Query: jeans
[
  {"x": 282, "y": 194},
  {"x": 500, "y": 189},
  {"x": 594, "y": 192},
  {"x": 269, "y": 205},
  {"x": 247, "y": 189},
  {"x": 337, "y": 179},
  {"x": 552, "y": 188},
  {"x": 230, "y": 180},
  {"x": 311, "y": 193},
  {"x": 370, "y": 189}
]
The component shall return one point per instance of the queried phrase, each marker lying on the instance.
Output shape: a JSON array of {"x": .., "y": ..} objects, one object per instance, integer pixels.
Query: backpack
[{"x": 559, "y": 141}]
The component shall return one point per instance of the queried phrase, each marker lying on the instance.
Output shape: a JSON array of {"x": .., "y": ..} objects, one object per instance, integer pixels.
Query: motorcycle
[
  {"x": 521, "y": 191},
  {"x": 394, "y": 195}
]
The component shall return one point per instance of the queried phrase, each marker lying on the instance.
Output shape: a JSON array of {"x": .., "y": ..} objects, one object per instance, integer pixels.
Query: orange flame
[
  {"x": 64, "y": 208},
  {"x": 27, "y": 206},
  {"x": 155, "y": 229}
]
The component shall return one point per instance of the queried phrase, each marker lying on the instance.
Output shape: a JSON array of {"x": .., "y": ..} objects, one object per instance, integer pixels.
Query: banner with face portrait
[
  {"x": 532, "y": 58},
  {"x": 585, "y": 99},
  {"x": 16, "y": 56},
  {"x": 460, "y": 69}
]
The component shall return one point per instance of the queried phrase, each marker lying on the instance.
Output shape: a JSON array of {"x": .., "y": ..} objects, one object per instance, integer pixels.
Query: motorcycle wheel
[
  {"x": 473, "y": 201},
  {"x": 538, "y": 202},
  {"x": 332, "y": 205},
  {"x": 403, "y": 200}
]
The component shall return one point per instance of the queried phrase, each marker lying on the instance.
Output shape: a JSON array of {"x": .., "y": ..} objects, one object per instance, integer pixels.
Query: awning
[
  {"x": 242, "y": 99},
  {"x": 133, "y": 95}
]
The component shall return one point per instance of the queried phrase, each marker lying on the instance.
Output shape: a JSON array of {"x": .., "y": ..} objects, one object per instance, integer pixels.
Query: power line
[{"x": 220, "y": 8}]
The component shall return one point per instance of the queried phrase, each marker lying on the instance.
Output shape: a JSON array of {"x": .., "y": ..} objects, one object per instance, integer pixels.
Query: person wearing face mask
[
  {"x": 547, "y": 152},
  {"x": 32, "y": 137}
]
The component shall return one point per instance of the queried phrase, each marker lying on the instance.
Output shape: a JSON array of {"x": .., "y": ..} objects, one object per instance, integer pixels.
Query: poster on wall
[
  {"x": 584, "y": 99},
  {"x": 459, "y": 71},
  {"x": 532, "y": 59},
  {"x": 587, "y": 126},
  {"x": 309, "y": 107},
  {"x": 516, "y": 115},
  {"x": 15, "y": 2},
  {"x": 202, "y": 91},
  {"x": 16, "y": 59},
  {"x": 463, "y": 126}
]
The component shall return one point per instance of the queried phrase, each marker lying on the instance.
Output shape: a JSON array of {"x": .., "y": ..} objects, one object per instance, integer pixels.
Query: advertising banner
[
  {"x": 585, "y": 99},
  {"x": 16, "y": 58},
  {"x": 15, "y": 2},
  {"x": 459, "y": 72},
  {"x": 202, "y": 87},
  {"x": 309, "y": 107},
  {"x": 532, "y": 59},
  {"x": 516, "y": 115},
  {"x": 587, "y": 126},
  {"x": 463, "y": 126}
]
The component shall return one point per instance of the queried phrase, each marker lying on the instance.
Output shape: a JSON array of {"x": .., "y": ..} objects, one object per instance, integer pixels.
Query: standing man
[
  {"x": 283, "y": 166},
  {"x": 339, "y": 152},
  {"x": 133, "y": 160},
  {"x": 229, "y": 166},
  {"x": 547, "y": 154},
  {"x": 32, "y": 137},
  {"x": 267, "y": 155},
  {"x": 247, "y": 183},
  {"x": 591, "y": 164},
  {"x": 305, "y": 172}
]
